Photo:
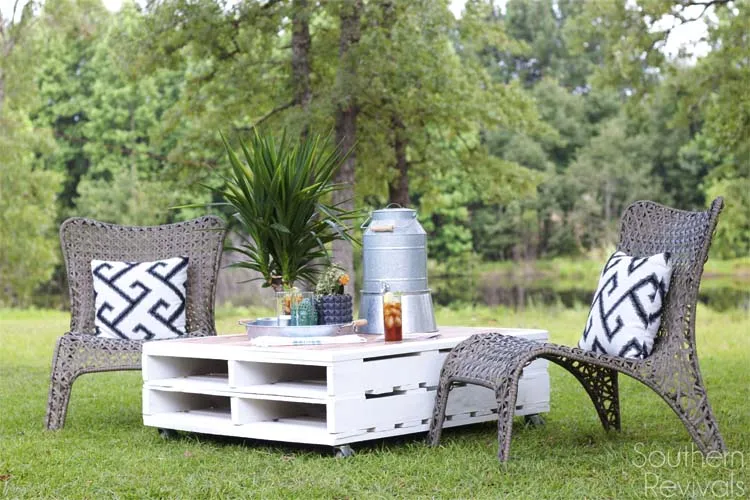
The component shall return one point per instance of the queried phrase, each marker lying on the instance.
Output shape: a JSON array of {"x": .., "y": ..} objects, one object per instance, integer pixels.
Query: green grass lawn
[{"x": 104, "y": 451}]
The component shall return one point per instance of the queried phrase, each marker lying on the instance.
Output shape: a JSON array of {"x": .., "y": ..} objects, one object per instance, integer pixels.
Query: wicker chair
[
  {"x": 496, "y": 361},
  {"x": 79, "y": 351}
]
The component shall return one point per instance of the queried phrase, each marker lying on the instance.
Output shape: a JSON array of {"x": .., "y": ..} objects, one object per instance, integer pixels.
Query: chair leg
[
  {"x": 700, "y": 422},
  {"x": 438, "y": 412},
  {"x": 68, "y": 362},
  {"x": 76, "y": 354},
  {"x": 506, "y": 393},
  {"x": 601, "y": 386},
  {"x": 690, "y": 402},
  {"x": 61, "y": 382}
]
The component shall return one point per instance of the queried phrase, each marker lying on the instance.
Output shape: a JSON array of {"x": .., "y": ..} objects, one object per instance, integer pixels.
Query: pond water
[{"x": 495, "y": 290}]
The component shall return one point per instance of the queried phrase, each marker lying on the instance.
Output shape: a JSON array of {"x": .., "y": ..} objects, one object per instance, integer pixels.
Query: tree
[
  {"x": 679, "y": 161},
  {"x": 28, "y": 243},
  {"x": 428, "y": 98},
  {"x": 535, "y": 24},
  {"x": 633, "y": 36},
  {"x": 715, "y": 90},
  {"x": 130, "y": 179},
  {"x": 390, "y": 77},
  {"x": 608, "y": 174},
  {"x": 538, "y": 55},
  {"x": 28, "y": 246},
  {"x": 301, "y": 59},
  {"x": 347, "y": 113},
  {"x": 65, "y": 78},
  {"x": 733, "y": 233},
  {"x": 11, "y": 33}
]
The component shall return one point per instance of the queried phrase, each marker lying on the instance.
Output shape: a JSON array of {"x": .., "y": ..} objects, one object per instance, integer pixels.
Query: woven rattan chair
[
  {"x": 496, "y": 361},
  {"x": 79, "y": 351}
]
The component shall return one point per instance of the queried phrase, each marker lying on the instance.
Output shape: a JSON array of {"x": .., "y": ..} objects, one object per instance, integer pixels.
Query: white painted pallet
[{"x": 328, "y": 394}]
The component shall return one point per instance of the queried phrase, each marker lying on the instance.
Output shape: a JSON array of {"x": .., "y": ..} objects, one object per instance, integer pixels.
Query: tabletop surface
[{"x": 239, "y": 346}]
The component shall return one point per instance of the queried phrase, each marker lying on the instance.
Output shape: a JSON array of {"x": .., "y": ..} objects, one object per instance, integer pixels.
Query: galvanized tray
[{"x": 254, "y": 329}]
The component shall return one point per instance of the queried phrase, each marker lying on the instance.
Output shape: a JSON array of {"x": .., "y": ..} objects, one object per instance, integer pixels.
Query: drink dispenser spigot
[{"x": 394, "y": 259}]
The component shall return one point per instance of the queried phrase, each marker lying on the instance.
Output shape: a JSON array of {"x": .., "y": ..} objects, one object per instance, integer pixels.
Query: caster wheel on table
[
  {"x": 343, "y": 451},
  {"x": 167, "y": 434},
  {"x": 534, "y": 420}
]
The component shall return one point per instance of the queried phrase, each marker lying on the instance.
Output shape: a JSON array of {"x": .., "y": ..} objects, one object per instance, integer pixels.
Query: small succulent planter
[{"x": 334, "y": 309}]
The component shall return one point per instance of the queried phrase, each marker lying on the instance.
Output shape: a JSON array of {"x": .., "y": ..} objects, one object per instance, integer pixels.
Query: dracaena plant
[{"x": 278, "y": 194}]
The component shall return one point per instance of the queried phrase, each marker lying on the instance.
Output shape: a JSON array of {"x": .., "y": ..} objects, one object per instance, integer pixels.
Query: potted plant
[
  {"x": 278, "y": 194},
  {"x": 334, "y": 306}
]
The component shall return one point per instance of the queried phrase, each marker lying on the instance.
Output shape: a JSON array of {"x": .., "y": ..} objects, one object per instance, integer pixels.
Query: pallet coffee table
[{"x": 326, "y": 395}]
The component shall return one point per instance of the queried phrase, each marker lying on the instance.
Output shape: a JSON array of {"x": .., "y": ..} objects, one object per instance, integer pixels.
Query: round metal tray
[{"x": 256, "y": 330}]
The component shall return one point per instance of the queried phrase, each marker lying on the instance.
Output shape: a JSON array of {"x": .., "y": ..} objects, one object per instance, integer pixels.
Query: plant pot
[{"x": 334, "y": 309}]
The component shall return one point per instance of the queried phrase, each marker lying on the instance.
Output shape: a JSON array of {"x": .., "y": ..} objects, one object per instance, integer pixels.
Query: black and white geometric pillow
[
  {"x": 140, "y": 300},
  {"x": 626, "y": 312}
]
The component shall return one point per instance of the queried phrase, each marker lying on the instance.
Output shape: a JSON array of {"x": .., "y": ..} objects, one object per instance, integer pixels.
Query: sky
[{"x": 683, "y": 35}]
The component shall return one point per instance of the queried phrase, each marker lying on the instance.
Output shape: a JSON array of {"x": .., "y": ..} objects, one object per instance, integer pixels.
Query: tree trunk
[
  {"x": 346, "y": 126},
  {"x": 301, "y": 60},
  {"x": 398, "y": 189}
]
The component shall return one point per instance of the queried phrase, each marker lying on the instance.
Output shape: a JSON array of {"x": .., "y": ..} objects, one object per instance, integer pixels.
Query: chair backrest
[
  {"x": 201, "y": 240},
  {"x": 648, "y": 228}
]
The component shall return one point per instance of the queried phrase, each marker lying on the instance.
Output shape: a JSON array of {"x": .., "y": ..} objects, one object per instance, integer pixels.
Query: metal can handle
[
  {"x": 366, "y": 222},
  {"x": 398, "y": 205}
]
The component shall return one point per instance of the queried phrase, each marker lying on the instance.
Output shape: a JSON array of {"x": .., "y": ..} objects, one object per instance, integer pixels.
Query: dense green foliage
[
  {"x": 517, "y": 132},
  {"x": 104, "y": 451}
]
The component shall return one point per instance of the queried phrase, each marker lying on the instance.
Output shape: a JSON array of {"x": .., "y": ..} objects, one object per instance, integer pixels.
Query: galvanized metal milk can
[{"x": 394, "y": 259}]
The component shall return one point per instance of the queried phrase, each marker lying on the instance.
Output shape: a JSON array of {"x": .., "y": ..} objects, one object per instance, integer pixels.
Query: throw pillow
[
  {"x": 626, "y": 312},
  {"x": 140, "y": 300}
]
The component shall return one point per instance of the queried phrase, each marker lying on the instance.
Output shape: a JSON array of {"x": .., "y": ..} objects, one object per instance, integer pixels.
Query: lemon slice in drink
[{"x": 388, "y": 297}]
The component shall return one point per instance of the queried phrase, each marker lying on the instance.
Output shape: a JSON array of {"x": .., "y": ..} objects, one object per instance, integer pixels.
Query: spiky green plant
[{"x": 279, "y": 195}]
